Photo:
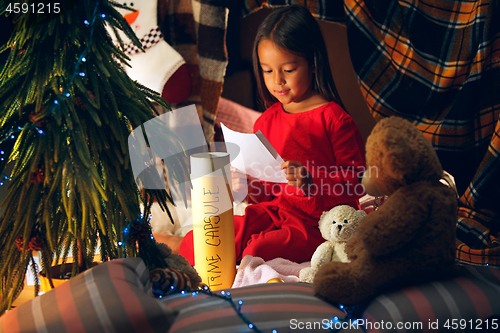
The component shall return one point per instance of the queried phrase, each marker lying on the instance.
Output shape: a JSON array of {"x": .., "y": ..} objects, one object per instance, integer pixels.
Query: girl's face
[{"x": 287, "y": 76}]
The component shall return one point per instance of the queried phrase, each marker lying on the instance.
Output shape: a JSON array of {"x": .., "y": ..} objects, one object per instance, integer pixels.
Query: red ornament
[
  {"x": 19, "y": 52},
  {"x": 79, "y": 103},
  {"x": 38, "y": 176},
  {"x": 139, "y": 231},
  {"x": 34, "y": 117},
  {"x": 36, "y": 243},
  {"x": 20, "y": 242}
]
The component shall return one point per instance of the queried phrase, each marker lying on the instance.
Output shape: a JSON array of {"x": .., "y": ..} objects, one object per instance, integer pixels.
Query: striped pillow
[
  {"x": 468, "y": 302},
  {"x": 111, "y": 297},
  {"x": 273, "y": 306}
]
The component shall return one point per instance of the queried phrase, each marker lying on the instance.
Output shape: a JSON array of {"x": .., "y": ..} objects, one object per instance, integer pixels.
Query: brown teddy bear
[{"x": 410, "y": 239}]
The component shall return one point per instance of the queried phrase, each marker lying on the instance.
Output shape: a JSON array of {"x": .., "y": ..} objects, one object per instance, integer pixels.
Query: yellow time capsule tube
[{"x": 213, "y": 222}]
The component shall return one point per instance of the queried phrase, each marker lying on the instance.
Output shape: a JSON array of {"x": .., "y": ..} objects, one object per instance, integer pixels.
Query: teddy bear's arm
[
  {"x": 353, "y": 247},
  {"x": 394, "y": 224},
  {"x": 322, "y": 255},
  {"x": 339, "y": 253}
]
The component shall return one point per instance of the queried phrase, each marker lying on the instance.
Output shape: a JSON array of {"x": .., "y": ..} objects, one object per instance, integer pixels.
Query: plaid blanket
[
  {"x": 437, "y": 64},
  {"x": 328, "y": 10},
  {"x": 197, "y": 30}
]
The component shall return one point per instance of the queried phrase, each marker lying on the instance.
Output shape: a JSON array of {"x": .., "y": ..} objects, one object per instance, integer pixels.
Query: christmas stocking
[{"x": 160, "y": 68}]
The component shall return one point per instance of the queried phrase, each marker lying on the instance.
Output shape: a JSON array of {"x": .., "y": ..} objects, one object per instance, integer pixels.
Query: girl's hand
[
  {"x": 243, "y": 183},
  {"x": 239, "y": 181},
  {"x": 296, "y": 174}
]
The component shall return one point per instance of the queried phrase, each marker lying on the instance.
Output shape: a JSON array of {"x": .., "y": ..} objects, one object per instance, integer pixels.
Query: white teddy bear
[{"x": 337, "y": 226}]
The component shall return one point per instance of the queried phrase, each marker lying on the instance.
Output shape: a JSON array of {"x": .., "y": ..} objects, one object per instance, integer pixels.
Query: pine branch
[{"x": 72, "y": 182}]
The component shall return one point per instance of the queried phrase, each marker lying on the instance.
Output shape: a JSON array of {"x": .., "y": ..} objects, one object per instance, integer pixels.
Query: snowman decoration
[{"x": 160, "y": 67}]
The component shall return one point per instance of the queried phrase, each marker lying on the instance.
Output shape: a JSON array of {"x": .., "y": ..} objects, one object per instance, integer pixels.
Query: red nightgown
[{"x": 284, "y": 223}]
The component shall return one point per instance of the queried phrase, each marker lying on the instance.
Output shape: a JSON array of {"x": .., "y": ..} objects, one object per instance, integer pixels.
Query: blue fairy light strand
[
  {"x": 126, "y": 232},
  {"x": 76, "y": 71},
  {"x": 65, "y": 93},
  {"x": 226, "y": 296},
  {"x": 223, "y": 295},
  {"x": 4, "y": 178},
  {"x": 11, "y": 134}
]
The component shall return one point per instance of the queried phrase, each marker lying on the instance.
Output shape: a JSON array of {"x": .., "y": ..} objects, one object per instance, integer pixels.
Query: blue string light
[
  {"x": 76, "y": 72},
  {"x": 226, "y": 296},
  {"x": 123, "y": 244},
  {"x": 126, "y": 233},
  {"x": 5, "y": 177},
  {"x": 82, "y": 58},
  {"x": 336, "y": 324}
]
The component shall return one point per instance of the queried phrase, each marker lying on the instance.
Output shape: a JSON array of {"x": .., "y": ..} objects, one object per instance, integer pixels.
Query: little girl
[{"x": 320, "y": 143}]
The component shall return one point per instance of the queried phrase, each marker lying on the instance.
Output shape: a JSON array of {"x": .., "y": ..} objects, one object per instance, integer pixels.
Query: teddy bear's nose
[{"x": 340, "y": 227}]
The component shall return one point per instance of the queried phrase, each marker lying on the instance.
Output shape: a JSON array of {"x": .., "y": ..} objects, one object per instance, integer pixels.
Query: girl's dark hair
[{"x": 294, "y": 29}]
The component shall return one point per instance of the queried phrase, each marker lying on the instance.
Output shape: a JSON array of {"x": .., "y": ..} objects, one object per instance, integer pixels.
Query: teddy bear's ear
[
  {"x": 323, "y": 219},
  {"x": 388, "y": 150},
  {"x": 397, "y": 156},
  {"x": 361, "y": 213}
]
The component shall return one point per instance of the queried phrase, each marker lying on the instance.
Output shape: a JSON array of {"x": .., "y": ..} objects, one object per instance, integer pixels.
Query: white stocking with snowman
[{"x": 160, "y": 67}]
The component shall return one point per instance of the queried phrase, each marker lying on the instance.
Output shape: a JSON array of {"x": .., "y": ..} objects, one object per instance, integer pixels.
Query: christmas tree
[{"x": 66, "y": 110}]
